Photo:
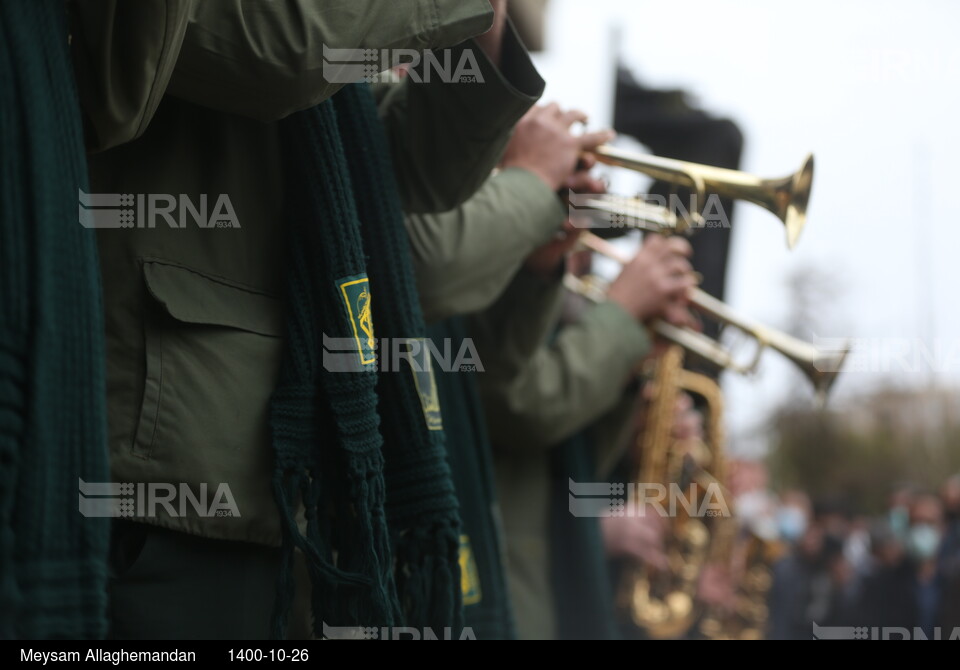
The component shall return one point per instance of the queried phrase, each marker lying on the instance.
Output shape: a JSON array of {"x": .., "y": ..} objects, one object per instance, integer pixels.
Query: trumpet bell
[
  {"x": 792, "y": 196},
  {"x": 824, "y": 372},
  {"x": 786, "y": 198},
  {"x": 820, "y": 366}
]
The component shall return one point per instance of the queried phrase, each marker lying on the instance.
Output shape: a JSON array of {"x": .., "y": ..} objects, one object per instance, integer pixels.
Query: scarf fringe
[{"x": 348, "y": 443}]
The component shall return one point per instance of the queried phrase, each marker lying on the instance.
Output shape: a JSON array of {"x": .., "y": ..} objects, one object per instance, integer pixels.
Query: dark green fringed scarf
[
  {"x": 487, "y": 608},
  {"x": 583, "y": 594},
  {"x": 382, "y": 524},
  {"x": 53, "y": 568}
]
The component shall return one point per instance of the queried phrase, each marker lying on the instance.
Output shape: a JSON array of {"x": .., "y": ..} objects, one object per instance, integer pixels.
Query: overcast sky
[{"x": 871, "y": 88}]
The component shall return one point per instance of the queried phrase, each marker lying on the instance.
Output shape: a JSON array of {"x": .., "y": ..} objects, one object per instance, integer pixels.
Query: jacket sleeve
[
  {"x": 261, "y": 59},
  {"x": 537, "y": 393},
  {"x": 465, "y": 259},
  {"x": 267, "y": 60},
  {"x": 446, "y": 137},
  {"x": 124, "y": 54}
]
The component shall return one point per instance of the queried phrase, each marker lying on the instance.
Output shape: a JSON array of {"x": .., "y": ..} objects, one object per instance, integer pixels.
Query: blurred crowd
[{"x": 841, "y": 569}]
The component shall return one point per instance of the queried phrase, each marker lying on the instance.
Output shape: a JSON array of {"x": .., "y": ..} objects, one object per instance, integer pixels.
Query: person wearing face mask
[
  {"x": 796, "y": 575},
  {"x": 792, "y": 522},
  {"x": 887, "y": 595},
  {"x": 905, "y": 589},
  {"x": 898, "y": 514},
  {"x": 923, "y": 545},
  {"x": 950, "y": 551},
  {"x": 950, "y": 554}
]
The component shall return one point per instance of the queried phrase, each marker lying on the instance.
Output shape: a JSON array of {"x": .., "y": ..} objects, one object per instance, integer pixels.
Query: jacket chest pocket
[{"x": 212, "y": 357}]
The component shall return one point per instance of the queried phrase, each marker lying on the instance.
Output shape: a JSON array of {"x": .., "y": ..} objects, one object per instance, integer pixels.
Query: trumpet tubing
[
  {"x": 696, "y": 343},
  {"x": 630, "y": 212}
]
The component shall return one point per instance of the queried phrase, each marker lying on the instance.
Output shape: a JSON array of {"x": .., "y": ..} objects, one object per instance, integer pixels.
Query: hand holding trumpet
[
  {"x": 656, "y": 283},
  {"x": 545, "y": 144}
]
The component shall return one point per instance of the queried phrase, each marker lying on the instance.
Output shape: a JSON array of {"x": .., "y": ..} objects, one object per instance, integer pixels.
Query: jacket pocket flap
[{"x": 190, "y": 296}]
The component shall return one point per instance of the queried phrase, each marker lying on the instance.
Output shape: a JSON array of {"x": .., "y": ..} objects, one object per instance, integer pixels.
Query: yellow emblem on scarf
[
  {"x": 469, "y": 575},
  {"x": 356, "y": 298},
  {"x": 426, "y": 384}
]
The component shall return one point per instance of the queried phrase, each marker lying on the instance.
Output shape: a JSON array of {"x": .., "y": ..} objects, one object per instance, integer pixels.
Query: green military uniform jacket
[
  {"x": 465, "y": 259},
  {"x": 182, "y": 99},
  {"x": 536, "y": 394}
]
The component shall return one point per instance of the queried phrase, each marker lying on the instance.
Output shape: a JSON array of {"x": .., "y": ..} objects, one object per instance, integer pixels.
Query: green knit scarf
[
  {"x": 53, "y": 566},
  {"x": 487, "y": 610},
  {"x": 355, "y": 447},
  {"x": 582, "y": 586}
]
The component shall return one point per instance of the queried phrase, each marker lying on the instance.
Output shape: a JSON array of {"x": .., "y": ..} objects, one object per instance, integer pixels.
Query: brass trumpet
[
  {"x": 787, "y": 197},
  {"x": 820, "y": 367}
]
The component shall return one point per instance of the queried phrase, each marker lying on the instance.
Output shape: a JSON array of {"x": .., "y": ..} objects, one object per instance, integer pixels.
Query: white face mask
[
  {"x": 792, "y": 523},
  {"x": 756, "y": 512},
  {"x": 923, "y": 541}
]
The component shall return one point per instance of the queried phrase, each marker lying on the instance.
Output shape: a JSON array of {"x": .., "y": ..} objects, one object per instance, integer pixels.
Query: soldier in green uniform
[
  {"x": 540, "y": 389},
  {"x": 464, "y": 260},
  {"x": 182, "y": 98},
  {"x": 493, "y": 258}
]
